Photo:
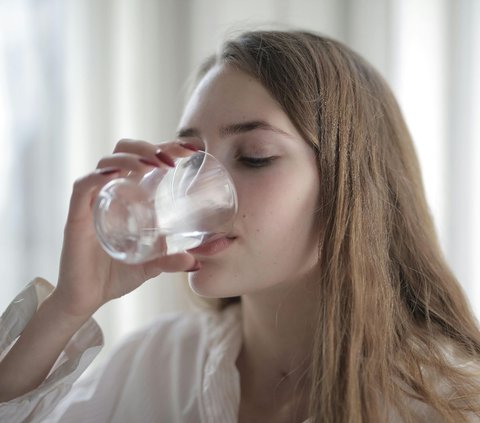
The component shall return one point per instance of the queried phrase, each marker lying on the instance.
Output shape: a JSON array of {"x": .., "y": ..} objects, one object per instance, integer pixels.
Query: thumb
[{"x": 180, "y": 262}]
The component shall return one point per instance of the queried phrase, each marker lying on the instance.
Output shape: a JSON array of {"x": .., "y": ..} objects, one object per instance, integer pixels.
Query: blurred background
[{"x": 77, "y": 75}]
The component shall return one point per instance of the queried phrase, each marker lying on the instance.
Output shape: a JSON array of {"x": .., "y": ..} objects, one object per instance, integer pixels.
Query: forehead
[
  {"x": 226, "y": 95},
  {"x": 227, "y": 82}
]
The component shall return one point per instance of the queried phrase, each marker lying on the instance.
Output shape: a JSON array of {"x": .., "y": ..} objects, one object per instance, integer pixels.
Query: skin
[
  {"x": 88, "y": 277},
  {"x": 271, "y": 263}
]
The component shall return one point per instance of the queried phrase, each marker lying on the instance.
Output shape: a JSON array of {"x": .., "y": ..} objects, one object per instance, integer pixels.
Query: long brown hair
[{"x": 392, "y": 319}]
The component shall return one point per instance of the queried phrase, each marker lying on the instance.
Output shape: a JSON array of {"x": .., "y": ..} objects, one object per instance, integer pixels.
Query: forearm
[{"x": 30, "y": 359}]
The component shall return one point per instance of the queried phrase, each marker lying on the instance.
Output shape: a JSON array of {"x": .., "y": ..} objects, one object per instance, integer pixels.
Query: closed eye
[{"x": 256, "y": 161}]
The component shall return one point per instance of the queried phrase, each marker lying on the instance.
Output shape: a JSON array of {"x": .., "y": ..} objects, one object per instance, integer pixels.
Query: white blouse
[{"x": 181, "y": 368}]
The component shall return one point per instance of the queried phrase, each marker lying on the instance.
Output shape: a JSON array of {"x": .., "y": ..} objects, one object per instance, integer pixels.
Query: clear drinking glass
[{"x": 167, "y": 210}]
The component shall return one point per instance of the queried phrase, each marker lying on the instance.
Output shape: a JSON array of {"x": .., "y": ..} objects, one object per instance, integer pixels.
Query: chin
[{"x": 212, "y": 285}]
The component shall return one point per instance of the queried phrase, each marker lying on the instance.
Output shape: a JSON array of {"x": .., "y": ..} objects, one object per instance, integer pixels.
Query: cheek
[
  {"x": 278, "y": 241},
  {"x": 276, "y": 213}
]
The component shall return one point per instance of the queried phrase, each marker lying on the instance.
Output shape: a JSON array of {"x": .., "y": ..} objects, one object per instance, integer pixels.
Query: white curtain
[{"x": 76, "y": 76}]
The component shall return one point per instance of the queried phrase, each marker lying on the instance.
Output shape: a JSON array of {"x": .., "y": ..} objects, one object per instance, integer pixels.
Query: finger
[
  {"x": 138, "y": 147},
  {"x": 129, "y": 162},
  {"x": 174, "y": 263},
  {"x": 85, "y": 190},
  {"x": 175, "y": 148},
  {"x": 166, "y": 153}
]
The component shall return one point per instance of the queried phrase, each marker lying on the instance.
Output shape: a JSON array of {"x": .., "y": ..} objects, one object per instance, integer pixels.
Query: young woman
[{"x": 336, "y": 304}]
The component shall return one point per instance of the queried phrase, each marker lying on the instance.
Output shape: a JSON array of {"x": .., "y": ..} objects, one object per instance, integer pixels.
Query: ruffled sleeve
[{"x": 80, "y": 351}]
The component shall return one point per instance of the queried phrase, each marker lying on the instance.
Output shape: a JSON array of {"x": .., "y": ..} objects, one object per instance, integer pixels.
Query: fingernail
[
  {"x": 189, "y": 146},
  {"x": 108, "y": 171},
  {"x": 148, "y": 162},
  {"x": 195, "y": 267},
  {"x": 164, "y": 158}
]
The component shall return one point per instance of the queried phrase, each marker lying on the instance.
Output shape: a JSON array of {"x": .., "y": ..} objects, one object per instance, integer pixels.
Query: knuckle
[
  {"x": 166, "y": 145},
  {"x": 102, "y": 160},
  {"x": 122, "y": 144},
  {"x": 79, "y": 183}
]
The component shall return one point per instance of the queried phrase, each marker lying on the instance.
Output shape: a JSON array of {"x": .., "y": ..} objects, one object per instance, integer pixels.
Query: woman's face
[{"x": 233, "y": 117}]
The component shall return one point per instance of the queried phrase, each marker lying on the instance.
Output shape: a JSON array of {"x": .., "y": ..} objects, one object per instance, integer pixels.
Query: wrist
[{"x": 71, "y": 320}]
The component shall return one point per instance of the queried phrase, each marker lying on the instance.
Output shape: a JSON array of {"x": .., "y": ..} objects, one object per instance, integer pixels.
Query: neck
[{"x": 278, "y": 331}]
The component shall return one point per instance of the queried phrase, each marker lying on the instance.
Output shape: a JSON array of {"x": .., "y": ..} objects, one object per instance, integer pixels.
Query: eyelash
[{"x": 256, "y": 162}]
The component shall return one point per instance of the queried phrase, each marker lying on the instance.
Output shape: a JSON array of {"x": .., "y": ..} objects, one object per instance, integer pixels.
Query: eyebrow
[{"x": 234, "y": 129}]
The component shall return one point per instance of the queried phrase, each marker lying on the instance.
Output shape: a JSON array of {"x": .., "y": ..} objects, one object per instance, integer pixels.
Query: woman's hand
[{"x": 88, "y": 276}]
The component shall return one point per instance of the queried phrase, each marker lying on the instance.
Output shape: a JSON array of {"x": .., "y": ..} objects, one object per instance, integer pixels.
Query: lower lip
[{"x": 213, "y": 247}]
